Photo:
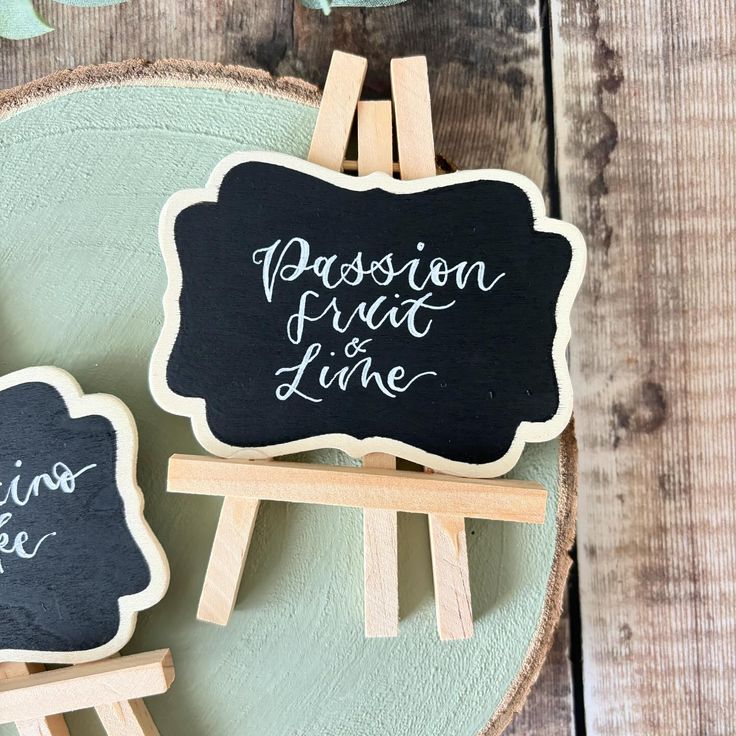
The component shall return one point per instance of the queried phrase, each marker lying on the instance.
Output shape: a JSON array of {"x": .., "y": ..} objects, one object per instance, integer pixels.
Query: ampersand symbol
[{"x": 355, "y": 346}]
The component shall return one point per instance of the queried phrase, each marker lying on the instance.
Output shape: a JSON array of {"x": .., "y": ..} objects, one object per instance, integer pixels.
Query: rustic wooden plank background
[
  {"x": 639, "y": 97},
  {"x": 645, "y": 116}
]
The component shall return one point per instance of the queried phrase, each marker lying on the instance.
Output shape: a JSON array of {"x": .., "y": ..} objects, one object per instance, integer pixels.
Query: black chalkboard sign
[
  {"x": 77, "y": 559},
  {"x": 426, "y": 319}
]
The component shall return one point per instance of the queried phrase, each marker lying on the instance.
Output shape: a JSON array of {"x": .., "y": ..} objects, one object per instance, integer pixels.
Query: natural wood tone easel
[
  {"x": 35, "y": 699},
  {"x": 377, "y": 487}
]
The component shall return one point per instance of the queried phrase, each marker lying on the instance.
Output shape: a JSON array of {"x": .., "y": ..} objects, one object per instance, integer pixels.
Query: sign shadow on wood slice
[
  {"x": 78, "y": 560},
  {"x": 426, "y": 319}
]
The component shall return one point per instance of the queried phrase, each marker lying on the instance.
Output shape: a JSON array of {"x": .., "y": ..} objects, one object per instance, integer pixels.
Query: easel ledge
[
  {"x": 110, "y": 681},
  {"x": 362, "y": 487}
]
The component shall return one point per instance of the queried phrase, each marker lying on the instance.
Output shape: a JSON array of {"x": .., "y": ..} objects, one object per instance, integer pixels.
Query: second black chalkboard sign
[
  {"x": 426, "y": 319},
  {"x": 77, "y": 559}
]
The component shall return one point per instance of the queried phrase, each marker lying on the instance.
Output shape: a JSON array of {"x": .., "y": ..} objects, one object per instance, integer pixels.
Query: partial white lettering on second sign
[{"x": 18, "y": 494}]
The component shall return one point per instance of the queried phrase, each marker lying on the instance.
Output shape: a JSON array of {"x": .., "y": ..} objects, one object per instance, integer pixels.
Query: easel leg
[
  {"x": 381, "y": 562},
  {"x": 337, "y": 110},
  {"x": 47, "y": 726},
  {"x": 451, "y": 580},
  {"x": 413, "y": 113},
  {"x": 127, "y": 718},
  {"x": 227, "y": 560},
  {"x": 380, "y": 532}
]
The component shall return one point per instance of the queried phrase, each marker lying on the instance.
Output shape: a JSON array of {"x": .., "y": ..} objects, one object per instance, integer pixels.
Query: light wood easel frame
[
  {"x": 36, "y": 699},
  {"x": 377, "y": 487}
]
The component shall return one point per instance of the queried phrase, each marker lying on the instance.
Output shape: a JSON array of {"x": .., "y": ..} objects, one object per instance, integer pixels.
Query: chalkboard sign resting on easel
[
  {"x": 220, "y": 343},
  {"x": 426, "y": 319},
  {"x": 77, "y": 559}
]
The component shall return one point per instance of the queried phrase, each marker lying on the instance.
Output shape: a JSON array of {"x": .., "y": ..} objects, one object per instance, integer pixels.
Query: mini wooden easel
[
  {"x": 36, "y": 699},
  {"x": 377, "y": 487}
]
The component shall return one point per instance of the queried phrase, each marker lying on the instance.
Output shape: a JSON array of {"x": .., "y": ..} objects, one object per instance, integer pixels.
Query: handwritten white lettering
[
  {"x": 60, "y": 478},
  {"x": 286, "y": 261},
  {"x": 362, "y": 370},
  {"x": 291, "y": 260}
]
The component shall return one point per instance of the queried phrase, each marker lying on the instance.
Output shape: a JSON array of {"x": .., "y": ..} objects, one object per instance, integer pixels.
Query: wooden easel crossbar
[
  {"x": 378, "y": 487},
  {"x": 35, "y": 699},
  {"x": 369, "y": 487}
]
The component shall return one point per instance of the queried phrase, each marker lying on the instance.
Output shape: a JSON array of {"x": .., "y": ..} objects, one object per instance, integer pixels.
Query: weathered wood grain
[
  {"x": 484, "y": 57},
  {"x": 548, "y": 711},
  {"x": 487, "y": 78},
  {"x": 646, "y": 123}
]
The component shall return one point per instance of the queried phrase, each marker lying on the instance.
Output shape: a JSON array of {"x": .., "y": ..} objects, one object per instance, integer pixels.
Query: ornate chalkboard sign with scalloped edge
[
  {"x": 77, "y": 559},
  {"x": 426, "y": 319}
]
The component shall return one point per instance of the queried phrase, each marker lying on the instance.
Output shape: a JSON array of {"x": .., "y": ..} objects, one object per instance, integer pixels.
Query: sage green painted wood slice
[{"x": 88, "y": 159}]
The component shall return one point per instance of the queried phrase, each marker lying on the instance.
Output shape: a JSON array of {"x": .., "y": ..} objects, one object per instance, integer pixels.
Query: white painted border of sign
[
  {"x": 113, "y": 409},
  {"x": 195, "y": 408}
]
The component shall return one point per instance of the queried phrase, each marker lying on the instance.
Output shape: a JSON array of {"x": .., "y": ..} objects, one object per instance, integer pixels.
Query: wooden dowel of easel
[
  {"x": 380, "y": 526},
  {"x": 337, "y": 110},
  {"x": 415, "y": 137},
  {"x": 227, "y": 559},
  {"x": 85, "y": 686},
  {"x": 53, "y": 725},
  {"x": 126, "y": 718}
]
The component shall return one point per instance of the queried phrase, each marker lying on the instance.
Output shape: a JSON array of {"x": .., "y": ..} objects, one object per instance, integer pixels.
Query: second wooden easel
[
  {"x": 36, "y": 699},
  {"x": 377, "y": 487}
]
